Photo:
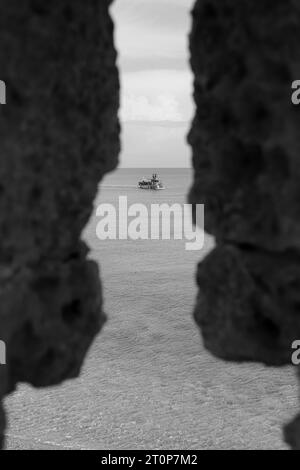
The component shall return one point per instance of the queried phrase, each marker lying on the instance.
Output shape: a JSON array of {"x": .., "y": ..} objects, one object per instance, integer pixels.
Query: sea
[{"x": 148, "y": 382}]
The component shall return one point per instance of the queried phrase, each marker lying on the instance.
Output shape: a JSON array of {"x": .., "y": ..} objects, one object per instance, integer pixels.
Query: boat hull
[
  {"x": 154, "y": 183},
  {"x": 150, "y": 189}
]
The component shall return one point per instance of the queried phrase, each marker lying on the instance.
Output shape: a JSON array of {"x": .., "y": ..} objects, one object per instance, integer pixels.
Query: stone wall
[
  {"x": 246, "y": 143},
  {"x": 59, "y": 135}
]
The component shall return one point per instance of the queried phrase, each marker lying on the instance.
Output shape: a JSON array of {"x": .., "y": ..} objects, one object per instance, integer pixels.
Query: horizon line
[{"x": 151, "y": 167}]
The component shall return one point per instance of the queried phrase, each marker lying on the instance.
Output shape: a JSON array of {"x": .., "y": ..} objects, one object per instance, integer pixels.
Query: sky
[{"x": 156, "y": 83}]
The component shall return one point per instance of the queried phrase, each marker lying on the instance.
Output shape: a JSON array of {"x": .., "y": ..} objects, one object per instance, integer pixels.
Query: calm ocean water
[
  {"x": 147, "y": 381},
  {"x": 124, "y": 181}
]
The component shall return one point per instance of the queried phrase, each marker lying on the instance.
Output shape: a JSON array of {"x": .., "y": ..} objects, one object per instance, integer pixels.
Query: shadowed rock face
[
  {"x": 247, "y": 304},
  {"x": 59, "y": 135},
  {"x": 246, "y": 143}
]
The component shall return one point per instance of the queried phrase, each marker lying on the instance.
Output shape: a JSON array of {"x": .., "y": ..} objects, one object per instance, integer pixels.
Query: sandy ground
[{"x": 147, "y": 382}]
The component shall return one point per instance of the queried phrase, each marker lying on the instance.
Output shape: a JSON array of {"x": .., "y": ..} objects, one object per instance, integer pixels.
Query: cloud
[
  {"x": 156, "y": 81},
  {"x": 139, "y": 108},
  {"x": 160, "y": 95},
  {"x": 152, "y": 29}
]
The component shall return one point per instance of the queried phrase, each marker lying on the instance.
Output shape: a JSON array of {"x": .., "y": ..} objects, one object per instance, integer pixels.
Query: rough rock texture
[
  {"x": 59, "y": 134},
  {"x": 246, "y": 146}
]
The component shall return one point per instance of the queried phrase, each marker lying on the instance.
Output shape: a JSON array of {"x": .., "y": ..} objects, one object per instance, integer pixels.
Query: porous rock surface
[
  {"x": 59, "y": 134},
  {"x": 246, "y": 146}
]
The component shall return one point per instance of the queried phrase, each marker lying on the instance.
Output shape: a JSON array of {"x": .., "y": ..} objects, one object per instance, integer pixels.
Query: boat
[{"x": 153, "y": 183}]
